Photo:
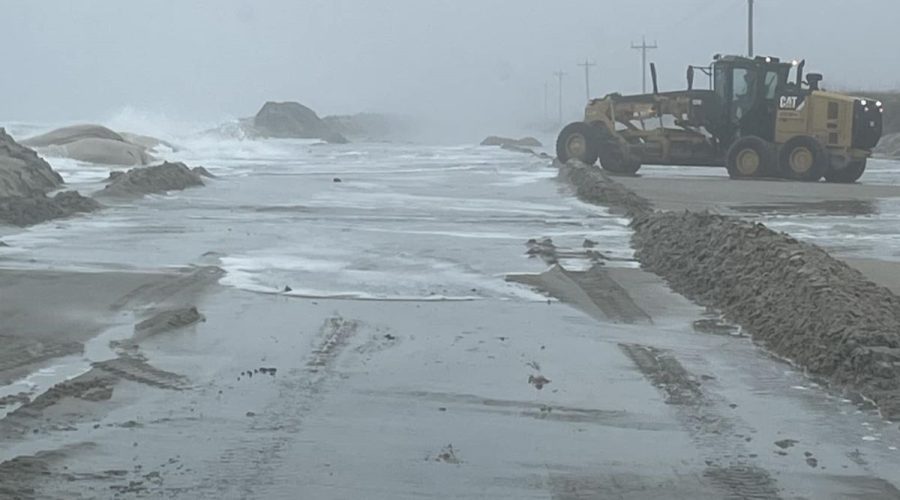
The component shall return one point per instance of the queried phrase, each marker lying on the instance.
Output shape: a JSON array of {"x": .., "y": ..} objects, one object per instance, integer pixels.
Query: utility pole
[
  {"x": 587, "y": 77},
  {"x": 643, "y": 48},
  {"x": 750, "y": 28},
  {"x": 559, "y": 74}
]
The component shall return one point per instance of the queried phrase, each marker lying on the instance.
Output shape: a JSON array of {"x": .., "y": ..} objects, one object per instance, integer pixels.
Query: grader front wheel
[
  {"x": 849, "y": 174},
  {"x": 613, "y": 154},
  {"x": 579, "y": 141},
  {"x": 749, "y": 157}
]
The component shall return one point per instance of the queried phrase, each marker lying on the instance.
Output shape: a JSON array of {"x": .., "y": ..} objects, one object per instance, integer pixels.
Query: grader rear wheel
[{"x": 803, "y": 158}]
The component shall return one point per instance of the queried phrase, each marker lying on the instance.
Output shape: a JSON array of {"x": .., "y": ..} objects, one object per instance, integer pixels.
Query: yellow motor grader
[{"x": 758, "y": 118}]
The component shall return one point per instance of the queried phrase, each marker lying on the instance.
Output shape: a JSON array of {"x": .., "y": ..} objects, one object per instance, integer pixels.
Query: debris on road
[
  {"x": 447, "y": 456},
  {"x": 786, "y": 443},
  {"x": 538, "y": 381}
]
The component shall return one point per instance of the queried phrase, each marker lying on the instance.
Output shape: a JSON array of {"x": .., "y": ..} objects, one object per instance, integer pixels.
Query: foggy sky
[{"x": 483, "y": 62}]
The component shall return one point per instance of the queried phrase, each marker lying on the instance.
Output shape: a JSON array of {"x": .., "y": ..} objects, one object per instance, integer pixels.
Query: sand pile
[
  {"x": 793, "y": 297},
  {"x": 158, "y": 179}
]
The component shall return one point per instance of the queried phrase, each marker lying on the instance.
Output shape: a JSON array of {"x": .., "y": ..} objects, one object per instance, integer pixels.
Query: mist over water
[{"x": 459, "y": 70}]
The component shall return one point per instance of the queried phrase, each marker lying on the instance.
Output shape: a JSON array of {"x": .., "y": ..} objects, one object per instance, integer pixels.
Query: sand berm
[{"x": 795, "y": 299}]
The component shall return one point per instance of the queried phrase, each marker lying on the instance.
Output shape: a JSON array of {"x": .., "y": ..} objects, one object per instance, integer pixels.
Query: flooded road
[{"x": 361, "y": 339}]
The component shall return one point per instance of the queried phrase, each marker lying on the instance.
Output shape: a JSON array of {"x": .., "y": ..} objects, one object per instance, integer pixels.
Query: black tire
[
  {"x": 613, "y": 155},
  {"x": 577, "y": 140},
  {"x": 803, "y": 158},
  {"x": 749, "y": 157},
  {"x": 849, "y": 174}
]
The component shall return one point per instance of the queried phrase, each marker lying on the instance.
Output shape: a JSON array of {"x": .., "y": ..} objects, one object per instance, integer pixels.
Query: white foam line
[{"x": 361, "y": 296}]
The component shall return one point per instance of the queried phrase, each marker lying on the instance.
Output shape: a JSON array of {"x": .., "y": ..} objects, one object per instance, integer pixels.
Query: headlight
[
  {"x": 878, "y": 103},
  {"x": 864, "y": 102}
]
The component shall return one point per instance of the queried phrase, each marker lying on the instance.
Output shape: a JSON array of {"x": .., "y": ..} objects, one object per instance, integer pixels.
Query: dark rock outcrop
[
  {"x": 293, "y": 120},
  {"x": 25, "y": 178},
  {"x": 156, "y": 179},
  {"x": 22, "y": 171},
  {"x": 30, "y": 210}
]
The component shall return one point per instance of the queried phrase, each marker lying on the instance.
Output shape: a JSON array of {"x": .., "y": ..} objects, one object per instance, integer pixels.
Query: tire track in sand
[
  {"x": 728, "y": 463},
  {"x": 250, "y": 463}
]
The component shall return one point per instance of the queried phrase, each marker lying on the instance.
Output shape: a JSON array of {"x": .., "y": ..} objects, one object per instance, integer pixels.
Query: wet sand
[
  {"x": 885, "y": 273},
  {"x": 366, "y": 400},
  {"x": 49, "y": 314}
]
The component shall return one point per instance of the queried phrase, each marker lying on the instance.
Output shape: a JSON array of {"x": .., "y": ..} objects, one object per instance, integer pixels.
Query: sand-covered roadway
[{"x": 372, "y": 321}]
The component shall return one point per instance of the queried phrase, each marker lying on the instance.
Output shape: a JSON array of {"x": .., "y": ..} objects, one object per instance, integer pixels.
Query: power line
[
  {"x": 587, "y": 77},
  {"x": 560, "y": 74},
  {"x": 643, "y": 47}
]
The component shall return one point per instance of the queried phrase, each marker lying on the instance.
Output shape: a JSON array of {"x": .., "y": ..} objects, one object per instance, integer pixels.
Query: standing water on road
[{"x": 359, "y": 221}]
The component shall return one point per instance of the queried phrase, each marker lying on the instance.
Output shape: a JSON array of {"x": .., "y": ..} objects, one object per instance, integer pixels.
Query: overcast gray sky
[{"x": 464, "y": 59}]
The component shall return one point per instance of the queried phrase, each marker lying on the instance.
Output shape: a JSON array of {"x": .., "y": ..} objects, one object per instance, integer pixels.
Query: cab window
[
  {"x": 771, "y": 83},
  {"x": 743, "y": 83},
  {"x": 720, "y": 78},
  {"x": 742, "y": 89}
]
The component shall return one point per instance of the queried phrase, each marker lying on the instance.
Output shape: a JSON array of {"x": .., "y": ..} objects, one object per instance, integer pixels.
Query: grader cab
[{"x": 758, "y": 118}]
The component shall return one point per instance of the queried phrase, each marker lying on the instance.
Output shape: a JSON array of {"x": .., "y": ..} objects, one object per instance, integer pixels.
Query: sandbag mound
[
  {"x": 525, "y": 142},
  {"x": 592, "y": 185},
  {"x": 794, "y": 298},
  {"x": 293, "y": 120},
  {"x": 22, "y": 171},
  {"x": 70, "y": 134},
  {"x": 148, "y": 180},
  {"x": 26, "y": 211}
]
